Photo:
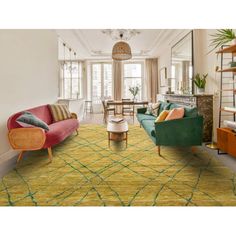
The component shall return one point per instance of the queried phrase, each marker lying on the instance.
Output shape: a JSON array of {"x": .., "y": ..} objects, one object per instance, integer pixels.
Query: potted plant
[
  {"x": 200, "y": 82},
  {"x": 134, "y": 91},
  {"x": 221, "y": 37}
]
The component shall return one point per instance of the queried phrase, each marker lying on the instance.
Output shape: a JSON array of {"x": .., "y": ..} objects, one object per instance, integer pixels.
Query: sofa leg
[
  {"x": 50, "y": 154},
  {"x": 159, "y": 150},
  {"x": 193, "y": 149},
  {"x": 77, "y": 132},
  {"x": 20, "y": 156}
]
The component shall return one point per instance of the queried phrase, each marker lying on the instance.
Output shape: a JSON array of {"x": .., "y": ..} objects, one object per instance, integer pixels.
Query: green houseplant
[
  {"x": 134, "y": 91},
  {"x": 200, "y": 82},
  {"x": 221, "y": 37}
]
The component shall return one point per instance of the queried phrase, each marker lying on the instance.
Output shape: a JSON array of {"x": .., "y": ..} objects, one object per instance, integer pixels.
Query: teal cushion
[
  {"x": 27, "y": 119},
  {"x": 174, "y": 105},
  {"x": 190, "y": 112},
  {"x": 164, "y": 106},
  {"x": 142, "y": 117}
]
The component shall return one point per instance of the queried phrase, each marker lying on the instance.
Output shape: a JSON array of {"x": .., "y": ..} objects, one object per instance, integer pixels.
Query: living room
[
  {"x": 111, "y": 116},
  {"x": 111, "y": 97}
]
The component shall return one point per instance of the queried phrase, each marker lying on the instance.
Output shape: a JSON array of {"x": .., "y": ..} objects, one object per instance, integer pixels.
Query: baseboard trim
[{"x": 7, "y": 162}]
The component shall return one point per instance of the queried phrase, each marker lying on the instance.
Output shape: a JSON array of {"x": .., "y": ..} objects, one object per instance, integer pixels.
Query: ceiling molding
[
  {"x": 163, "y": 40},
  {"x": 169, "y": 40}
]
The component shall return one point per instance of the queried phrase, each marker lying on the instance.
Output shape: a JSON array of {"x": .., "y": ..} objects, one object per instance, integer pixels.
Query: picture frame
[{"x": 163, "y": 76}]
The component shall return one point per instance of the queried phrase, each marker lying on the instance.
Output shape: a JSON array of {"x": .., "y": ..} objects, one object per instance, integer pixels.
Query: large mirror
[{"x": 182, "y": 66}]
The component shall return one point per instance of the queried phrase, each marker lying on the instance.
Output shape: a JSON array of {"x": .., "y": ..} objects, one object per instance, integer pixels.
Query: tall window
[
  {"x": 133, "y": 74},
  {"x": 71, "y": 75},
  {"x": 101, "y": 81}
]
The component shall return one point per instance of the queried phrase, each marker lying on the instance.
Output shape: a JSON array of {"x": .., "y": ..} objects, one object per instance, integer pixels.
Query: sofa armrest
[
  {"x": 187, "y": 131},
  {"x": 74, "y": 115},
  {"x": 27, "y": 138},
  {"x": 142, "y": 110}
]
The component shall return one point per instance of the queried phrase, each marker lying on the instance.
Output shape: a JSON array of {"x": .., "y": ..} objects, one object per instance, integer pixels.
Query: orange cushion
[
  {"x": 176, "y": 113},
  {"x": 162, "y": 116}
]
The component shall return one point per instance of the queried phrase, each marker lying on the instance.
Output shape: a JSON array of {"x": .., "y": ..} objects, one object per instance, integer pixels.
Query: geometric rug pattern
[{"x": 85, "y": 172}]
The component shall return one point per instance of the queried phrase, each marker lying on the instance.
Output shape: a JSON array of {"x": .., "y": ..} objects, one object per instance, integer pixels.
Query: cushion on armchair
[
  {"x": 59, "y": 112},
  {"x": 176, "y": 113},
  {"x": 152, "y": 109},
  {"x": 162, "y": 116},
  {"x": 27, "y": 119}
]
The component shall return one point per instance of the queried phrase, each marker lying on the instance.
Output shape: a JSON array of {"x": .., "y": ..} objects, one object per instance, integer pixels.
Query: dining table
[
  {"x": 131, "y": 102},
  {"x": 120, "y": 103}
]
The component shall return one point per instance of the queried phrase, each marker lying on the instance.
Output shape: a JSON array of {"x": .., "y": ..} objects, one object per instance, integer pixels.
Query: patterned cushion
[
  {"x": 59, "y": 112},
  {"x": 162, "y": 116},
  {"x": 27, "y": 119},
  {"x": 176, "y": 113},
  {"x": 152, "y": 109}
]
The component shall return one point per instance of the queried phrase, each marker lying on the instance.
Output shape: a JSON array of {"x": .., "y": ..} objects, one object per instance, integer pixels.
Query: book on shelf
[
  {"x": 230, "y": 124},
  {"x": 233, "y": 109},
  {"x": 117, "y": 120}
]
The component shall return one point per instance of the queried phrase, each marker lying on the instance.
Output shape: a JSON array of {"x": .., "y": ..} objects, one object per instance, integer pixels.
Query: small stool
[{"x": 88, "y": 106}]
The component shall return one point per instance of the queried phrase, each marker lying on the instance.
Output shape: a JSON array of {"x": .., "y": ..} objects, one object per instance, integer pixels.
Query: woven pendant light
[{"x": 121, "y": 51}]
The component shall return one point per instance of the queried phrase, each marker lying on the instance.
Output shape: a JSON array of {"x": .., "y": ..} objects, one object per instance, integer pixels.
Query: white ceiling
[{"x": 94, "y": 44}]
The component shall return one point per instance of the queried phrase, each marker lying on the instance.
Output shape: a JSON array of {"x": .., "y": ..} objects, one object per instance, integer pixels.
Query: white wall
[{"x": 28, "y": 74}]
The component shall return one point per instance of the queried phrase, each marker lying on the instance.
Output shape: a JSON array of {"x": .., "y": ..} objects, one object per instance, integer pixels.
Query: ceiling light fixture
[{"x": 121, "y": 50}]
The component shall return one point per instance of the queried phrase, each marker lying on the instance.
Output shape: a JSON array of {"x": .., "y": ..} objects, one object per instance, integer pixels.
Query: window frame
[
  {"x": 102, "y": 79},
  {"x": 71, "y": 78},
  {"x": 142, "y": 76}
]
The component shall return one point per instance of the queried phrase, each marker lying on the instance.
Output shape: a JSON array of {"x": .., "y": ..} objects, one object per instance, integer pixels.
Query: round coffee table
[{"x": 117, "y": 132}]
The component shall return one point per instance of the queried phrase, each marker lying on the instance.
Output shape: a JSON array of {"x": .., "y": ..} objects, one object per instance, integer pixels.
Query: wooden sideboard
[
  {"x": 226, "y": 141},
  {"x": 204, "y": 104}
]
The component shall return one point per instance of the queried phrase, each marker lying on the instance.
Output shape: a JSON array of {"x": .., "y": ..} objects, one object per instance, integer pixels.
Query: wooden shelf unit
[
  {"x": 229, "y": 90},
  {"x": 230, "y": 69},
  {"x": 230, "y": 49},
  {"x": 222, "y": 109},
  {"x": 226, "y": 141},
  {"x": 226, "y": 138}
]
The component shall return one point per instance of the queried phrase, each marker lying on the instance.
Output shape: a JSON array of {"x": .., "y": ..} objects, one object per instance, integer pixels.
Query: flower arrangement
[{"x": 134, "y": 91}]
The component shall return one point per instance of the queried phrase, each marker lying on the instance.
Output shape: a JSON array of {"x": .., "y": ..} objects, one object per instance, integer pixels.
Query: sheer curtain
[
  {"x": 151, "y": 78},
  {"x": 117, "y": 79}
]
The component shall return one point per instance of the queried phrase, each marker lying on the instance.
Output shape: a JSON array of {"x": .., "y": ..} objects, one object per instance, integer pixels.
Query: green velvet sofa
[{"x": 187, "y": 131}]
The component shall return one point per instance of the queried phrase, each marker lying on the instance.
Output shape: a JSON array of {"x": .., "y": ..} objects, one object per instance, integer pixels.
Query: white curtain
[{"x": 151, "y": 78}]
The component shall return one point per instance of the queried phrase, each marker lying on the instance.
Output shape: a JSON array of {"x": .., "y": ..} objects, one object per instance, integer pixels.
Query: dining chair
[
  {"x": 107, "y": 110},
  {"x": 128, "y": 107}
]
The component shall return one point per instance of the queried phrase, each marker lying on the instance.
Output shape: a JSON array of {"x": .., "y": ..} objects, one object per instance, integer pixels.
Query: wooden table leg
[
  {"x": 109, "y": 141},
  {"x": 126, "y": 139}
]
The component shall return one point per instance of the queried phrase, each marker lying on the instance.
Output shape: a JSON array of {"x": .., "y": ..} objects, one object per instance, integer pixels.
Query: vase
[{"x": 200, "y": 90}]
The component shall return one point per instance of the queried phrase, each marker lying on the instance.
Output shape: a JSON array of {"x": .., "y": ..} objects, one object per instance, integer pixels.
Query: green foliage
[
  {"x": 221, "y": 37},
  {"x": 200, "y": 81},
  {"x": 134, "y": 90}
]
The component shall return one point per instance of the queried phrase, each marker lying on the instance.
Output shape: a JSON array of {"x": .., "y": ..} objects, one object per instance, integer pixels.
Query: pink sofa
[{"x": 24, "y": 139}]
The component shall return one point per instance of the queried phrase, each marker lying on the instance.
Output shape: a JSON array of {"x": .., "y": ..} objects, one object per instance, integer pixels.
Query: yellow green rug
[{"x": 85, "y": 172}]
